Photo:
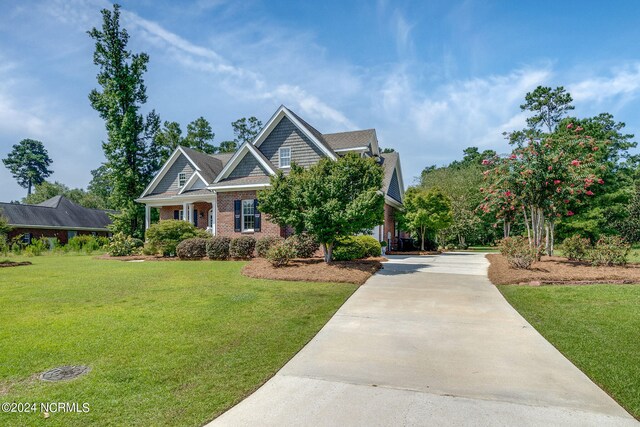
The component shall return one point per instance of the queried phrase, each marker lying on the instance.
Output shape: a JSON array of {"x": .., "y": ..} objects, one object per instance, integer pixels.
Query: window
[
  {"x": 285, "y": 157},
  {"x": 181, "y": 215},
  {"x": 182, "y": 179},
  {"x": 71, "y": 234},
  {"x": 248, "y": 215},
  {"x": 26, "y": 238}
]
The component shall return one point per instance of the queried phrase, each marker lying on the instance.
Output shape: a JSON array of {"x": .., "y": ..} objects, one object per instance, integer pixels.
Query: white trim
[
  {"x": 393, "y": 202},
  {"x": 58, "y": 227},
  {"x": 280, "y": 157},
  {"x": 191, "y": 181},
  {"x": 177, "y": 200},
  {"x": 237, "y": 158},
  {"x": 223, "y": 188},
  {"x": 165, "y": 168},
  {"x": 351, "y": 149},
  {"x": 400, "y": 180},
  {"x": 277, "y": 117}
]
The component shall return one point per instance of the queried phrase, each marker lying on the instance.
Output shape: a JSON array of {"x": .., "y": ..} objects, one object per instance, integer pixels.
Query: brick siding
[{"x": 225, "y": 220}]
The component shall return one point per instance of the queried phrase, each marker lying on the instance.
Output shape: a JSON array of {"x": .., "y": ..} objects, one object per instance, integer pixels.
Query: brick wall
[
  {"x": 166, "y": 212},
  {"x": 225, "y": 220},
  {"x": 37, "y": 233}
]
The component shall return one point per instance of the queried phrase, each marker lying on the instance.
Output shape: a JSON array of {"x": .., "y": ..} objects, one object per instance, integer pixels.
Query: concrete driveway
[{"x": 428, "y": 341}]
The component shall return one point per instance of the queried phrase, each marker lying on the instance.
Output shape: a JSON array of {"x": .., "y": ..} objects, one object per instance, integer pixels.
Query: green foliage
[
  {"x": 242, "y": 247},
  {"x": 304, "y": 245},
  {"x": 518, "y": 252},
  {"x": 5, "y": 228},
  {"x": 329, "y": 200},
  {"x": 630, "y": 225},
  {"x": 131, "y": 155},
  {"x": 610, "y": 250},
  {"x": 548, "y": 105},
  {"x": 28, "y": 162},
  {"x": 165, "y": 235},
  {"x": 36, "y": 247},
  {"x": 199, "y": 136},
  {"x": 121, "y": 245},
  {"x": 281, "y": 254},
  {"x": 194, "y": 248},
  {"x": 263, "y": 244},
  {"x": 576, "y": 248},
  {"x": 372, "y": 247},
  {"x": 349, "y": 248},
  {"x": 100, "y": 187},
  {"x": 218, "y": 247},
  {"x": 46, "y": 190},
  {"x": 426, "y": 212},
  {"x": 167, "y": 139},
  {"x": 245, "y": 130}
]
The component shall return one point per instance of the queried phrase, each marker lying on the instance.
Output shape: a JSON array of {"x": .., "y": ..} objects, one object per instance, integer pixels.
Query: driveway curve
[{"x": 428, "y": 341}]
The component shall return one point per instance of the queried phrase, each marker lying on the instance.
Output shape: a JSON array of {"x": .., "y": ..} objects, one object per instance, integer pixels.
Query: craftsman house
[
  {"x": 56, "y": 218},
  {"x": 218, "y": 192}
]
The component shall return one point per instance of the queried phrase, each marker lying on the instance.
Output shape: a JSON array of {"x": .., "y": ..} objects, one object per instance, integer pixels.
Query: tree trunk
[
  {"x": 551, "y": 226},
  {"x": 327, "y": 249},
  {"x": 526, "y": 221},
  {"x": 29, "y": 188}
]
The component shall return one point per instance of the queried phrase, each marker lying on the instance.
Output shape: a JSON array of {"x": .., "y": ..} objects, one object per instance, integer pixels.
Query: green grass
[
  {"x": 597, "y": 327},
  {"x": 169, "y": 343}
]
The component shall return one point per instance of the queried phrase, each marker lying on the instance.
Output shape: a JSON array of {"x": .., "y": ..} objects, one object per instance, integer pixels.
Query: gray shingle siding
[
  {"x": 394, "y": 187},
  {"x": 169, "y": 181},
  {"x": 248, "y": 166},
  {"x": 286, "y": 134}
]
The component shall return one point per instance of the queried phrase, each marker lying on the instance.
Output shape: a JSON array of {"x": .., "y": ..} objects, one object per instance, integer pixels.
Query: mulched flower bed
[
  {"x": 315, "y": 270},
  {"x": 8, "y": 263},
  {"x": 138, "y": 258},
  {"x": 559, "y": 271}
]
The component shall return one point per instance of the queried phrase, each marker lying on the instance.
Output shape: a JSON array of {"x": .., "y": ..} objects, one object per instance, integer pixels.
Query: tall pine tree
[{"x": 130, "y": 153}]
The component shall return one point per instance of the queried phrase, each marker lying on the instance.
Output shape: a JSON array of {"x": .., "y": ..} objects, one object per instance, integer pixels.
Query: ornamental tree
[
  {"x": 329, "y": 200},
  {"x": 426, "y": 212},
  {"x": 549, "y": 177}
]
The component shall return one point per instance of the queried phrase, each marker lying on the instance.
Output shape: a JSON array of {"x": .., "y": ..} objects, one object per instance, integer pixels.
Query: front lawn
[
  {"x": 168, "y": 343},
  {"x": 595, "y": 326}
]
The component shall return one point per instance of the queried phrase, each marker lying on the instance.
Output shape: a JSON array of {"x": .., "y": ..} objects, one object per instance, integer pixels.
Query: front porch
[{"x": 201, "y": 213}]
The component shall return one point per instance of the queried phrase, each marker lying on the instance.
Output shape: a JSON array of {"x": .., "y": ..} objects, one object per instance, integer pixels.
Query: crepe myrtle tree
[
  {"x": 425, "y": 212},
  {"x": 329, "y": 200},
  {"x": 548, "y": 177}
]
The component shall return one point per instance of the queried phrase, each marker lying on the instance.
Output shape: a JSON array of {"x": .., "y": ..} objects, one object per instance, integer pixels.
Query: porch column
[
  {"x": 147, "y": 217},
  {"x": 185, "y": 211},
  {"x": 214, "y": 215},
  {"x": 191, "y": 214}
]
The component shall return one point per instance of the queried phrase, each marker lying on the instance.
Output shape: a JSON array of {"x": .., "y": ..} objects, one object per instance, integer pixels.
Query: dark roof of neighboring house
[
  {"x": 353, "y": 139},
  {"x": 57, "y": 212}
]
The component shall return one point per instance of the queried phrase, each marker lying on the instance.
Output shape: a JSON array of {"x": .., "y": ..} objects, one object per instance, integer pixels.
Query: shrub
[
  {"x": 165, "y": 235},
  {"x": 609, "y": 250},
  {"x": 349, "y": 248},
  {"x": 281, "y": 254},
  {"x": 576, "y": 247},
  {"x": 263, "y": 244},
  {"x": 86, "y": 243},
  {"x": 121, "y": 245},
  {"x": 304, "y": 245},
  {"x": 518, "y": 252},
  {"x": 242, "y": 247},
  {"x": 36, "y": 247},
  {"x": 371, "y": 244},
  {"x": 218, "y": 247},
  {"x": 193, "y": 248}
]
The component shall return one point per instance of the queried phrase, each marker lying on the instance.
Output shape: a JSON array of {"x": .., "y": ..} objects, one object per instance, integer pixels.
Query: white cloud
[{"x": 624, "y": 82}]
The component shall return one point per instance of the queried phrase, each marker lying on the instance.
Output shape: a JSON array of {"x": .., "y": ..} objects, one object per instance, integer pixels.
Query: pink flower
[
  {"x": 575, "y": 163},
  {"x": 508, "y": 193},
  {"x": 579, "y": 128},
  {"x": 566, "y": 200},
  {"x": 589, "y": 193},
  {"x": 570, "y": 125},
  {"x": 601, "y": 181},
  {"x": 486, "y": 162},
  {"x": 595, "y": 148},
  {"x": 556, "y": 181},
  {"x": 550, "y": 168},
  {"x": 513, "y": 156},
  {"x": 569, "y": 213}
]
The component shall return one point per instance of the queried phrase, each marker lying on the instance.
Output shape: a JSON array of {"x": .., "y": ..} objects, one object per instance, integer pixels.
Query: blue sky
[{"x": 431, "y": 77}]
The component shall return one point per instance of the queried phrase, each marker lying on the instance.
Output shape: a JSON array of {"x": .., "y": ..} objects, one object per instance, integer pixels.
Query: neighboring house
[
  {"x": 57, "y": 217},
  {"x": 218, "y": 192}
]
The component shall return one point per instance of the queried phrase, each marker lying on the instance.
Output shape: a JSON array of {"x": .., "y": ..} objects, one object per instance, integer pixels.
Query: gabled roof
[
  {"x": 57, "y": 212},
  {"x": 390, "y": 162},
  {"x": 350, "y": 140},
  {"x": 246, "y": 148},
  {"x": 209, "y": 165},
  {"x": 309, "y": 131}
]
